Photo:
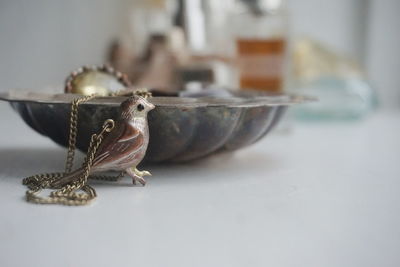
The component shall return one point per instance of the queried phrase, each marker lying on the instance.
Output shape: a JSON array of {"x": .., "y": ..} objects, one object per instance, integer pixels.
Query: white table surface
[{"x": 320, "y": 195}]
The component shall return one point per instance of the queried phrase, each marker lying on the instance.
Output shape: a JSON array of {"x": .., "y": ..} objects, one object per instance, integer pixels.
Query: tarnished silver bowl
[{"x": 181, "y": 128}]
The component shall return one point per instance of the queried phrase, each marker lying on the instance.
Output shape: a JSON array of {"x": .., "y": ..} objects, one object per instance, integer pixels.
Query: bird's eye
[{"x": 140, "y": 107}]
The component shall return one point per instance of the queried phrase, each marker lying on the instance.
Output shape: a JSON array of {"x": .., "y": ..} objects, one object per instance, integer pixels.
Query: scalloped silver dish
[{"x": 181, "y": 128}]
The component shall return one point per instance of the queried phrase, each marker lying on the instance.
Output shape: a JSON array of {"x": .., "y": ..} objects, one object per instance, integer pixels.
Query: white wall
[
  {"x": 41, "y": 41},
  {"x": 383, "y": 50},
  {"x": 340, "y": 24}
]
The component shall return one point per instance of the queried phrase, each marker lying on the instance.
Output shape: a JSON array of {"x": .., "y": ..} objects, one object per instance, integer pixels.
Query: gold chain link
[{"x": 73, "y": 126}]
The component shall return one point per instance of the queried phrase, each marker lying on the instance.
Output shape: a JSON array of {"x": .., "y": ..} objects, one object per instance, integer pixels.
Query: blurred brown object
[
  {"x": 166, "y": 64},
  {"x": 156, "y": 69},
  {"x": 157, "y": 66},
  {"x": 120, "y": 56}
]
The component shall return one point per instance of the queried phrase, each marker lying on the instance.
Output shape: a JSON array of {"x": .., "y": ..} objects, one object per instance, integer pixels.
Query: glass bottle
[{"x": 260, "y": 32}]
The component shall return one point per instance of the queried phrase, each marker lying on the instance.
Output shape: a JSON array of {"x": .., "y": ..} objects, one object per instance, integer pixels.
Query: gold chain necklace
[{"x": 68, "y": 194}]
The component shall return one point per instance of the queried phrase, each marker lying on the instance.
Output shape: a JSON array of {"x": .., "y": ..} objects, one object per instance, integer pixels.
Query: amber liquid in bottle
[{"x": 261, "y": 63}]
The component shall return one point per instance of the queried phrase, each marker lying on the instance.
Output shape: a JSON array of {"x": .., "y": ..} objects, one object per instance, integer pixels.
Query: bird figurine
[{"x": 124, "y": 147}]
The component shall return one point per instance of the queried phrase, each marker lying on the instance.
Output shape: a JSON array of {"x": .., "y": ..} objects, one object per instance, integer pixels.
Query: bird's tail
[{"x": 68, "y": 178}]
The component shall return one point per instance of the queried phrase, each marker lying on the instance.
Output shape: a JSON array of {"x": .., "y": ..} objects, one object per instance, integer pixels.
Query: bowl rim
[{"x": 248, "y": 99}]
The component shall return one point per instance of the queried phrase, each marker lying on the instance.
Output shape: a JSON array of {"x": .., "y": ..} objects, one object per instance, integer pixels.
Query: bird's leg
[{"x": 137, "y": 176}]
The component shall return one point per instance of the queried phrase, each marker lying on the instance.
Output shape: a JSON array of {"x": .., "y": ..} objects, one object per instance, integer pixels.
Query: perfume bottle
[{"x": 260, "y": 32}]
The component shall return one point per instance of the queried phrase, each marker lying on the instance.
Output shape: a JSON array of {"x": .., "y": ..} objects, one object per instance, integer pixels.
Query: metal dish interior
[{"x": 181, "y": 128}]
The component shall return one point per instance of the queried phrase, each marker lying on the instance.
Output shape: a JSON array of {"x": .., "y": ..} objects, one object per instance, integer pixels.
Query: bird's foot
[
  {"x": 141, "y": 173},
  {"x": 137, "y": 176}
]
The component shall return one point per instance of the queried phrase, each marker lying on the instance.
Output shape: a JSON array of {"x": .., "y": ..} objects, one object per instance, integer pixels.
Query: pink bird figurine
[{"x": 124, "y": 147}]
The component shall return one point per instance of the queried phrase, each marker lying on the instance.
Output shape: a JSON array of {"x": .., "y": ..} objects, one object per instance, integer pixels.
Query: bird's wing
[{"x": 118, "y": 144}]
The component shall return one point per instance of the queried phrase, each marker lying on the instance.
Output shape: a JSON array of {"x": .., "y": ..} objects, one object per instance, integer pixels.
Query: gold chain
[
  {"x": 73, "y": 124},
  {"x": 67, "y": 195}
]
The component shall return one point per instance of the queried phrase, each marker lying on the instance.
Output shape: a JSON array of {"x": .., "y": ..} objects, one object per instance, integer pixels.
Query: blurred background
[{"x": 340, "y": 46}]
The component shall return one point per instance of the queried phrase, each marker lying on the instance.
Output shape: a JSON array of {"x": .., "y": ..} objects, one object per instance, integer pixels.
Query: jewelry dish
[{"x": 181, "y": 128}]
